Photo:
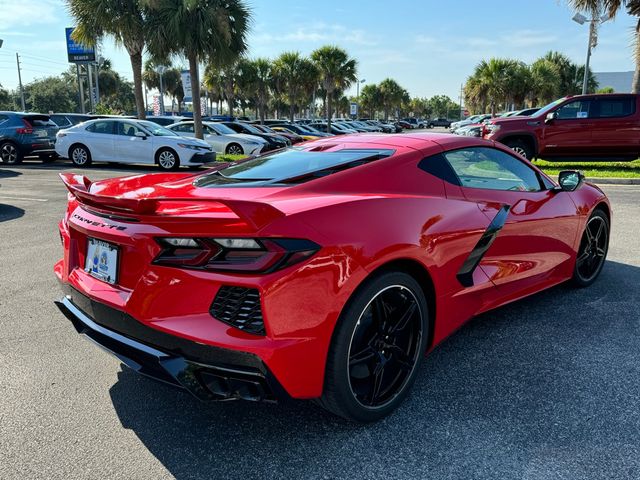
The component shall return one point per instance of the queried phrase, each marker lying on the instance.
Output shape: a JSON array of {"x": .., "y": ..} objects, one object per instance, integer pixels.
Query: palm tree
[
  {"x": 255, "y": 81},
  {"x": 545, "y": 82},
  {"x": 493, "y": 81},
  {"x": 211, "y": 30},
  {"x": 611, "y": 8},
  {"x": 370, "y": 99},
  {"x": 391, "y": 94},
  {"x": 124, "y": 20},
  {"x": 336, "y": 71},
  {"x": 287, "y": 69}
]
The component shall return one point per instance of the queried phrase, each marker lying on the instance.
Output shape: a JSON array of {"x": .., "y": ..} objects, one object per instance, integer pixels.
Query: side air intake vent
[{"x": 240, "y": 308}]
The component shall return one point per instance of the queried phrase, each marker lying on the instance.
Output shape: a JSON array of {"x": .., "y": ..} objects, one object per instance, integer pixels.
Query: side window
[
  {"x": 492, "y": 169},
  {"x": 208, "y": 130},
  {"x": 615, "y": 107},
  {"x": 105, "y": 127},
  {"x": 127, "y": 129},
  {"x": 574, "y": 110},
  {"x": 185, "y": 128}
]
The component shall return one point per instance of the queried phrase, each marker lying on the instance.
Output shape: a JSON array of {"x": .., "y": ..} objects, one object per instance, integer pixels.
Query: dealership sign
[
  {"x": 353, "y": 109},
  {"x": 76, "y": 52}
]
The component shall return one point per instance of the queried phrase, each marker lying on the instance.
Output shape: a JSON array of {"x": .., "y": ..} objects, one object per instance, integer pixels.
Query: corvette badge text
[{"x": 97, "y": 224}]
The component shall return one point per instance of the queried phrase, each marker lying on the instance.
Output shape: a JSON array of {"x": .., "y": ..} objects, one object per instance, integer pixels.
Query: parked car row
[{"x": 587, "y": 126}]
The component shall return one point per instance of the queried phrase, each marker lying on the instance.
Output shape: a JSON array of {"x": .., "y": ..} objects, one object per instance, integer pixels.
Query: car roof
[{"x": 417, "y": 141}]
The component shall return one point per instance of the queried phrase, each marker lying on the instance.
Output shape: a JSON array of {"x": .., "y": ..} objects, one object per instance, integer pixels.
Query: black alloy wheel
[
  {"x": 9, "y": 153},
  {"x": 384, "y": 346},
  {"x": 592, "y": 253},
  {"x": 376, "y": 348}
]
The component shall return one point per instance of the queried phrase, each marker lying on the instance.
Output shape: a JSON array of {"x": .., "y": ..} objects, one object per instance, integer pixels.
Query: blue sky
[{"x": 428, "y": 46}]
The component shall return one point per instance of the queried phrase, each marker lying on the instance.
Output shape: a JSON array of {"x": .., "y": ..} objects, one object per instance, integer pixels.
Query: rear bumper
[{"x": 209, "y": 373}]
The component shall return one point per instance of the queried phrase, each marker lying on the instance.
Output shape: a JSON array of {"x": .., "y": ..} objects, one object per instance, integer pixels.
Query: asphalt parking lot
[{"x": 547, "y": 388}]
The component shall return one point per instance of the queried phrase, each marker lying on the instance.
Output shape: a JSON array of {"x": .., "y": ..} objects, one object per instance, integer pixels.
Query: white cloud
[{"x": 27, "y": 13}]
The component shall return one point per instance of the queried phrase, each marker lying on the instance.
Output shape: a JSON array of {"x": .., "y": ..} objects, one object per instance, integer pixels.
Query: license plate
[
  {"x": 102, "y": 260},
  {"x": 41, "y": 133}
]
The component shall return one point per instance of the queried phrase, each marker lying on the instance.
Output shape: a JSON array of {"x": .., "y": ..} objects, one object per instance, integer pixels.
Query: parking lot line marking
[{"x": 24, "y": 199}]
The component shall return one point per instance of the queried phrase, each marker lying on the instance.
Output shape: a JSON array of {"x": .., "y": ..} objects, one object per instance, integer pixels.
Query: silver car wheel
[
  {"x": 167, "y": 160},
  {"x": 79, "y": 156}
]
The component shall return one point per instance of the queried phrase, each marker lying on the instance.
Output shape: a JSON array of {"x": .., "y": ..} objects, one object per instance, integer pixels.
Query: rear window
[
  {"x": 39, "y": 121},
  {"x": 615, "y": 107},
  {"x": 293, "y": 165}
]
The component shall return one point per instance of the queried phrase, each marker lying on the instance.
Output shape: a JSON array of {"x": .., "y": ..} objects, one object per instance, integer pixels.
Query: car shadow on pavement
[
  {"x": 9, "y": 212},
  {"x": 7, "y": 173},
  {"x": 545, "y": 387}
]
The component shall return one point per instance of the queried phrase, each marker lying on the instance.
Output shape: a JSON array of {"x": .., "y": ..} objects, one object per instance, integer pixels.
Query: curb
[{"x": 613, "y": 181}]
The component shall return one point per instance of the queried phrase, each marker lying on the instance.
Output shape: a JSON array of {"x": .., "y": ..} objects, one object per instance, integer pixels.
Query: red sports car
[{"x": 322, "y": 272}]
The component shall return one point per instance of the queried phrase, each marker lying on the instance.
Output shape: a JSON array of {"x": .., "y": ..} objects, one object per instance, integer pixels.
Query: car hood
[
  {"x": 247, "y": 137},
  {"x": 515, "y": 120}
]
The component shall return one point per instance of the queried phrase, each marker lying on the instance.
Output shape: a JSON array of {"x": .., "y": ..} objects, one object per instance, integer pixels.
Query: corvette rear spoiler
[{"x": 255, "y": 214}]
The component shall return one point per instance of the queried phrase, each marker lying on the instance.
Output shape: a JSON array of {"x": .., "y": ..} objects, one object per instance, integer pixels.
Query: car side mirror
[
  {"x": 570, "y": 180},
  {"x": 551, "y": 117},
  {"x": 141, "y": 135}
]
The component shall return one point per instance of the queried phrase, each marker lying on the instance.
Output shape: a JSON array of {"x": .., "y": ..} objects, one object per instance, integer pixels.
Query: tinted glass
[
  {"x": 492, "y": 169},
  {"x": 61, "y": 121},
  {"x": 103, "y": 126},
  {"x": 615, "y": 107},
  {"x": 127, "y": 129},
  {"x": 574, "y": 110},
  {"x": 184, "y": 128},
  {"x": 221, "y": 129},
  {"x": 156, "y": 130},
  {"x": 288, "y": 164}
]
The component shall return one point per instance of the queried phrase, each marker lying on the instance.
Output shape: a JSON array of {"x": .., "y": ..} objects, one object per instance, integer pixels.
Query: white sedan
[
  {"x": 130, "y": 141},
  {"x": 222, "y": 139}
]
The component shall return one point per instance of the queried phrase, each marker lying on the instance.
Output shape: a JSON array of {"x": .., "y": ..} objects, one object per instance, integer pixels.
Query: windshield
[
  {"x": 308, "y": 129},
  {"x": 251, "y": 128},
  {"x": 288, "y": 164},
  {"x": 156, "y": 130},
  {"x": 221, "y": 129},
  {"x": 546, "y": 108}
]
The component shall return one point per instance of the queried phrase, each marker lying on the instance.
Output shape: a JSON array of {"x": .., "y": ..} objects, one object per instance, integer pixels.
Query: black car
[
  {"x": 23, "y": 134},
  {"x": 439, "y": 122},
  {"x": 273, "y": 141},
  {"x": 302, "y": 129},
  {"x": 165, "y": 120},
  {"x": 66, "y": 120}
]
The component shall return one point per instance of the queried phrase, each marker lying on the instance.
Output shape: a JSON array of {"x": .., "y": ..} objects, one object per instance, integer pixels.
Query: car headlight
[
  {"x": 491, "y": 128},
  {"x": 191, "y": 146}
]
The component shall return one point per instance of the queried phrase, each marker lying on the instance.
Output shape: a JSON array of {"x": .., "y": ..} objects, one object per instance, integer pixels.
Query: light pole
[
  {"x": 593, "y": 41},
  {"x": 161, "y": 69},
  {"x": 361, "y": 80}
]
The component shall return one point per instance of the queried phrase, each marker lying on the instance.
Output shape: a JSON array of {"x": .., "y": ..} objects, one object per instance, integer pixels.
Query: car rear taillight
[
  {"x": 233, "y": 254},
  {"x": 26, "y": 130}
]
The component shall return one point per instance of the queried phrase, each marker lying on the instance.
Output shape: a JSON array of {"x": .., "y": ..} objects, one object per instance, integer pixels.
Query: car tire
[
  {"x": 234, "y": 149},
  {"x": 351, "y": 379},
  {"x": 10, "y": 153},
  {"x": 592, "y": 251},
  {"x": 521, "y": 148},
  {"x": 167, "y": 159},
  {"x": 80, "y": 155}
]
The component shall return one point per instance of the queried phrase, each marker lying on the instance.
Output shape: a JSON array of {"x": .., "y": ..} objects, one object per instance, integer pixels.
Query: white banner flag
[{"x": 186, "y": 85}]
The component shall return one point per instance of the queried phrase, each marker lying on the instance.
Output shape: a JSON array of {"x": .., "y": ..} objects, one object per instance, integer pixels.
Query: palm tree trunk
[
  {"x": 195, "y": 89},
  {"x": 136, "y": 66},
  {"x": 329, "y": 111},
  {"x": 635, "y": 86}
]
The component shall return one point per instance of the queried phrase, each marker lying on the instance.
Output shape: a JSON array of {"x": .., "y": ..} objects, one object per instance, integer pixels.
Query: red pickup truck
[{"x": 596, "y": 126}]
